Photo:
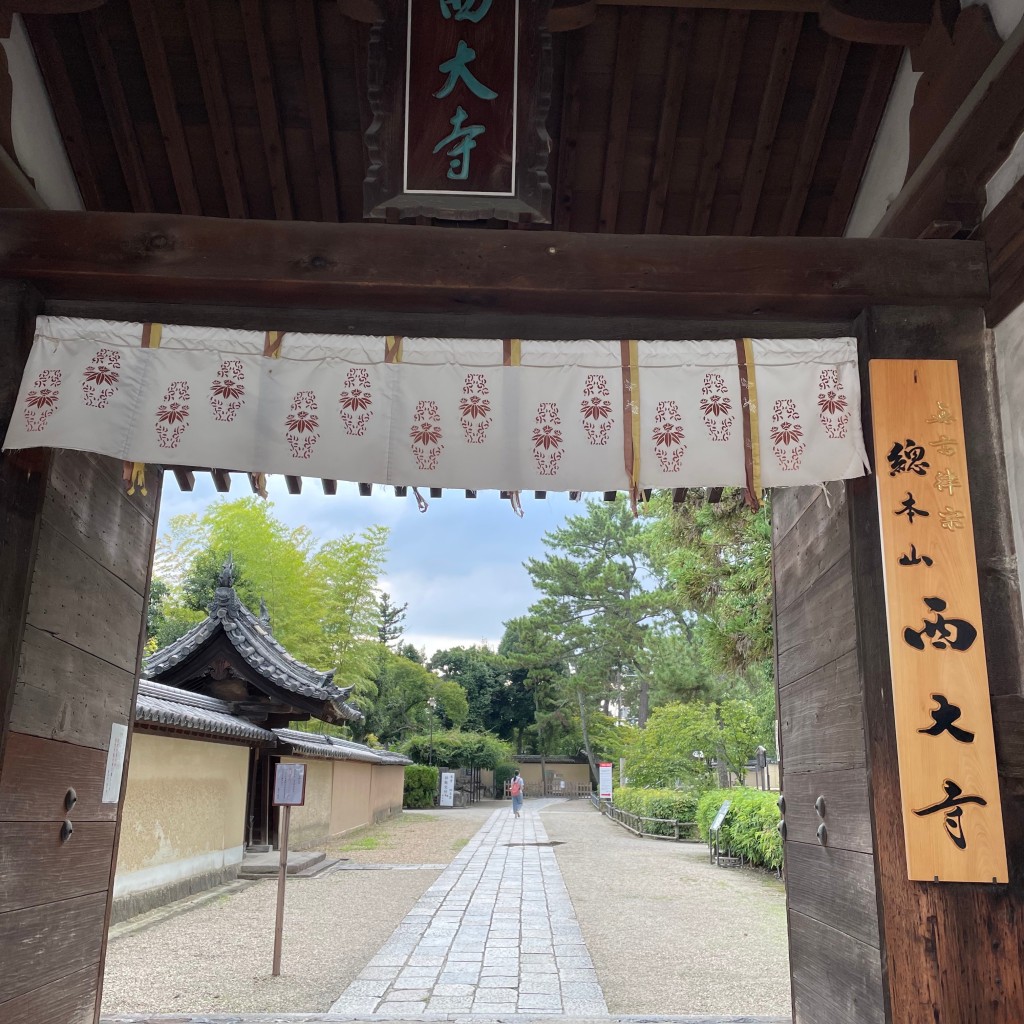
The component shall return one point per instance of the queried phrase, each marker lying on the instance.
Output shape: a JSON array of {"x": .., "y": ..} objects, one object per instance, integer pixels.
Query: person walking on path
[{"x": 515, "y": 790}]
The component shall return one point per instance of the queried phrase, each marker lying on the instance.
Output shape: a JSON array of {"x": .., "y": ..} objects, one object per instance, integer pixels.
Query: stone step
[
  {"x": 263, "y": 865},
  {"x": 453, "y": 1018}
]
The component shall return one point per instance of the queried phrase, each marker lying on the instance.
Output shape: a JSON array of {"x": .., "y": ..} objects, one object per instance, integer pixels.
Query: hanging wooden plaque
[
  {"x": 952, "y": 815},
  {"x": 460, "y": 91}
]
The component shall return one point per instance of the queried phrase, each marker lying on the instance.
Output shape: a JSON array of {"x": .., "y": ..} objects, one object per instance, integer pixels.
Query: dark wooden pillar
[
  {"x": 867, "y": 945},
  {"x": 74, "y": 570}
]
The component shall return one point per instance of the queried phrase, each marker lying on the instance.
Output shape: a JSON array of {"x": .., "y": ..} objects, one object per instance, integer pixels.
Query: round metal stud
[
  {"x": 823, "y": 834},
  {"x": 819, "y": 806}
]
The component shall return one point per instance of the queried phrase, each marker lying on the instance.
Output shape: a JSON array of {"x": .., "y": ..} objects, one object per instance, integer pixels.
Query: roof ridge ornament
[
  {"x": 265, "y": 615},
  {"x": 226, "y": 578}
]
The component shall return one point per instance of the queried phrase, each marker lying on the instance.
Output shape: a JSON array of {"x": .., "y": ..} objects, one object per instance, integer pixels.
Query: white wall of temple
[{"x": 37, "y": 142}]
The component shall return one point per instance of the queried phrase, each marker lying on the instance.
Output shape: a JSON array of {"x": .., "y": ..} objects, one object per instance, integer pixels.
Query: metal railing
[{"x": 649, "y": 828}]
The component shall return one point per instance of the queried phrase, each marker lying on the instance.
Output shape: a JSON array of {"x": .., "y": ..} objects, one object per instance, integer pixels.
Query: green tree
[
  {"x": 481, "y": 673},
  {"x": 740, "y": 732},
  {"x": 599, "y": 597},
  {"x": 392, "y": 619},
  {"x": 321, "y": 597},
  {"x": 677, "y": 746}
]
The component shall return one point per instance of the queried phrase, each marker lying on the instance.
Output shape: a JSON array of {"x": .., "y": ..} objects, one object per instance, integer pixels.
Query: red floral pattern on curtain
[
  {"x": 787, "y": 434},
  {"x": 302, "y": 424},
  {"x": 426, "y": 434},
  {"x": 475, "y": 408},
  {"x": 356, "y": 402},
  {"x": 547, "y": 439},
  {"x": 42, "y": 399},
  {"x": 596, "y": 409},
  {"x": 668, "y": 436},
  {"x": 227, "y": 392},
  {"x": 172, "y": 415},
  {"x": 716, "y": 407},
  {"x": 101, "y": 377},
  {"x": 833, "y": 405}
]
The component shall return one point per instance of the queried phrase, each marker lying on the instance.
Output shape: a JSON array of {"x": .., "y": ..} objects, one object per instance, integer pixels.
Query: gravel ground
[
  {"x": 667, "y": 931},
  {"x": 215, "y": 955},
  {"x": 416, "y": 837}
]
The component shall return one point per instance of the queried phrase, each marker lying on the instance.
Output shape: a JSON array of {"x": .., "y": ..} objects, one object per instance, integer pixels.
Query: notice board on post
[
  {"x": 460, "y": 91},
  {"x": 952, "y": 815},
  {"x": 289, "y": 785}
]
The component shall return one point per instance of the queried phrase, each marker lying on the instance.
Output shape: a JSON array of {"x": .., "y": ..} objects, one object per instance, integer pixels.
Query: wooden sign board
[
  {"x": 460, "y": 91},
  {"x": 952, "y": 816},
  {"x": 289, "y": 785}
]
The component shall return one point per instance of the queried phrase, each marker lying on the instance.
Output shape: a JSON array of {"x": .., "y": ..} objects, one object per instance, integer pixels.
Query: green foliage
[
  {"x": 420, "y": 786},
  {"x": 750, "y": 829},
  {"x": 402, "y": 689},
  {"x": 321, "y": 597},
  {"x": 717, "y": 558},
  {"x": 673, "y": 804},
  {"x": 452, "y": 704},
  {"x": 456, "y": 749},
  {"x": 502, "y": 774},
  {"x": 741, "y": 731},
  {"x": 481, "y": 675},
  {"x": 676, "y": 746}
]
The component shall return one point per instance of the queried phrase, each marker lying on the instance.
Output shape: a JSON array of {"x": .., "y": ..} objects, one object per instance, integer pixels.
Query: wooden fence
[
  {"x": 649, "y": 828},
  {"x": 570, "y": 790}
]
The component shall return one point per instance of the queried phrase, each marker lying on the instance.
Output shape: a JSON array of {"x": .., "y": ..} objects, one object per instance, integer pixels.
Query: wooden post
[{"x": 282, "y": 874}]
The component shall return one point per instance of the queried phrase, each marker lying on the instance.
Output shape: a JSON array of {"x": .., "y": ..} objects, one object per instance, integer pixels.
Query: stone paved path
[{"x": 496, "y": 934}]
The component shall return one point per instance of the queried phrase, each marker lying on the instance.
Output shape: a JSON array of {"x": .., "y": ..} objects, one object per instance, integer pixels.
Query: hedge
[
  {"x": 750, "y": 829},
  {"x": 420, "y": 786},
  {"x": 502, "y": 774},
  {"x": 674, "y": 804}
]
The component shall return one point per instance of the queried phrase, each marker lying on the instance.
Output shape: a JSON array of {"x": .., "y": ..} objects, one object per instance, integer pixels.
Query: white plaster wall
[
  {"x": 1006, "y": 14},
  {"x": 1009, "y": 339},
  {"x": 890, "y": 156},
  {"x": 37, "y": 142}
]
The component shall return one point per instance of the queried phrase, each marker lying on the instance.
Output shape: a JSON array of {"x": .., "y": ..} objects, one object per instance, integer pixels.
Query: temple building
[{"x": 212, "y": 720}]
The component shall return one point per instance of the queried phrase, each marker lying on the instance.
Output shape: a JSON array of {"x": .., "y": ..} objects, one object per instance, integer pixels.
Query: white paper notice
[
  {"x": 447, "y": 789},
  {"x": 115, "y": 763}
]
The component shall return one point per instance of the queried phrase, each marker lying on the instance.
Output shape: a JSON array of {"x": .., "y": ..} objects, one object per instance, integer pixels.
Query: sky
[{"x": 459, "y": 565}]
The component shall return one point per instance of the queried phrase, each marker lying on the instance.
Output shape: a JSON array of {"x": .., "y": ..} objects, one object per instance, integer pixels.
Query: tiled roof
[
  {"x": 252, "y": 639},
  {"x": 551, "y": 759},
  {"x": 312, "y": 744},
  {"x": 167, "y": 705}
]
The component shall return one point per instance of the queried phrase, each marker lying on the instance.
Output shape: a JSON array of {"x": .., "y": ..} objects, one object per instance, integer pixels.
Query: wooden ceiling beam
[
  {"x": 169, "y": 258},
  {"x": 1003, "y": 229},
  {"x": 779, "y": 71},
  {"x": 330, "y": 486},
  {"x": 568, "y": 132},
  {"x": 884, "y": 66},
  {"x": 185, "y": 477},
  {"x": 668, "y": 123},
  {"x": 294, "y": 484},
  {"x": 627, "y": 54},
  {"x": 221, "y": 480},
  {"x": 319, "y": 122},
  {"x": 977, "y": 139},
  {"x": 162, "y": 88},
  {"x": 729, "y": 64},
  {"x": 814, "y": 129},
  {"x": 218, "y": 108},
  {"x": 122, "y": 125},
  {"x": 266, "y": 106},
  {"x": 65, "y": 107},
  {"x": 724, "y": 5},
  {"x": 877, "y": 22}
]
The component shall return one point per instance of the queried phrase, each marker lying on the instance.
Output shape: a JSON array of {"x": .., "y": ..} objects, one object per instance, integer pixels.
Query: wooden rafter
[
  {"x": 718, "y": 119},
  {"x": 884, "y": 66},
  {"x": 65, "y": 108},
  {"x": 668, "y": 123},
  {"x": 1004, "y": 236},
  {"x": 266, "y": 105},
  {"x": 626, "y": 57},
  {"x": 362, "y": 266},
  {"x": 830, "y": 76},
  {"x": 122, "y": 126},
  {"x": 162, "y": 87},
  {"x": 568, "y": 136},
  {"x": 779, "y": 71},
  {"x": 973, "y": 144},
  {"x": 319, "y": 123},
  {"x": 218, "y": 109}
]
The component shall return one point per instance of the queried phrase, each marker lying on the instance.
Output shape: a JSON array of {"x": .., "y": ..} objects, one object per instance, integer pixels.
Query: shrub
[
  {"x": 420, "y": 786},
  {"x": 674, "y": 804},
  {"x": 750, "y": 829},
  {"x": 502, "y": 774}
]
